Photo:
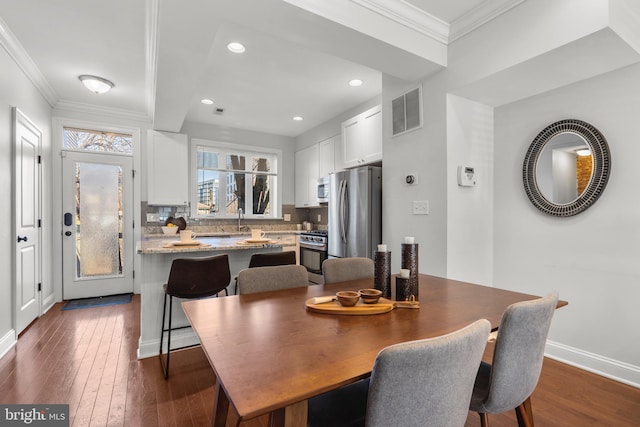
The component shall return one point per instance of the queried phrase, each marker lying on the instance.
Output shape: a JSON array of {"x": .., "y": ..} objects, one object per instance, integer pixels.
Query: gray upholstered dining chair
[
  {"x": 343, "y": 269},
  {"x": 271, "y": 278},
  {"x": 508, "y": 382},
  {"x": 269, "y": 259},
  {"x": 417, "y": 383}
]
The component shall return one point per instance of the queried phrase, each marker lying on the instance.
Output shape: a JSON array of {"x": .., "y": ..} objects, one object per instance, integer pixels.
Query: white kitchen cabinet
[
  {"x": 326, "y": 153},
  {"x": 289, "y": 242},
  {"x": 362, "y": 138},
  {"x": 306, "y": 174},
  {"x": 168, "y": 168}
]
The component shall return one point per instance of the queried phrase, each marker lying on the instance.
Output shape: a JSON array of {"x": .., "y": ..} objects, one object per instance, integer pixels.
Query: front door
[
  {"x": 27, "y": 140},
  {"x": 97, "y": 225}
]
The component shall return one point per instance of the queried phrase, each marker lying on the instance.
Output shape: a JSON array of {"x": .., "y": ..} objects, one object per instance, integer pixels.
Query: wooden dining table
[{"x": 270, "y": 354}]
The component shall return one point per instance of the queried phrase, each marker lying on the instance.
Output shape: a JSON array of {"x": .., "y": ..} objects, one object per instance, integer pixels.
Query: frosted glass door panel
[{"x": 98, "y": 220}]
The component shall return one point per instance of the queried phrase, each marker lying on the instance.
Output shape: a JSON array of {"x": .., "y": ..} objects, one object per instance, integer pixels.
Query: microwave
[{"x": 323, "y": 190}]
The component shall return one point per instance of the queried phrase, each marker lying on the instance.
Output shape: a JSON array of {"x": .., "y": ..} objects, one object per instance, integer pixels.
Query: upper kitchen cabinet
[
  {"x": 327, "y": 155},
  {"x": 168, "y": 168},
  {"x": 362, "y": 138},
  {"x": 307, "y": 172}
]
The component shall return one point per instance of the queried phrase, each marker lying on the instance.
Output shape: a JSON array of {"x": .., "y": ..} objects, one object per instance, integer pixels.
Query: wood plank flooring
[{"x": 87, "y": 358}]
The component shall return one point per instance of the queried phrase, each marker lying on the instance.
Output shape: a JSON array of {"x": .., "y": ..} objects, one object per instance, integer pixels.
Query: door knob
[{"x": 22, "y": 239}]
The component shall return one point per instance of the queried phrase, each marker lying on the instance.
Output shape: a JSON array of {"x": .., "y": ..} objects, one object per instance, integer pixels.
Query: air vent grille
[{"x": 407, "y": 112}]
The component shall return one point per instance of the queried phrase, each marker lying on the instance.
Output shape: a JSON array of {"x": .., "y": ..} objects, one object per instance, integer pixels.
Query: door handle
[
  {"x": 68, "y": 219},
  {"x": 22, "y": 239}
]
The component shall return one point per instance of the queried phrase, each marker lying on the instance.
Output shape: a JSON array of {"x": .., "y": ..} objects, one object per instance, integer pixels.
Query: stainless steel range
[{"x": 313, "y": 252}]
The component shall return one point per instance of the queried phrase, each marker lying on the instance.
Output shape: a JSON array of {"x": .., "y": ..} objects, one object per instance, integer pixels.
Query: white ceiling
[{"x": 164, "y": 56}]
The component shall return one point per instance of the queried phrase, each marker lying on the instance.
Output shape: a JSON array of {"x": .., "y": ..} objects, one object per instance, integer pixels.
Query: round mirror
[{"x": 566, "y": 168}]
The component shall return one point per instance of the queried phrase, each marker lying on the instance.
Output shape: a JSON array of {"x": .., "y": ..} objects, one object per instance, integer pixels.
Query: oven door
[{"x": 312, "y": 258}]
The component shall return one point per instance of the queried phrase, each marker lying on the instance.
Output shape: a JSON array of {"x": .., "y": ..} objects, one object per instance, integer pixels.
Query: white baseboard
[
  {"x": 7, "y": 342},
  {"x": 609, "y": 368},
  {"x": 149, "y": 348},
  {"x": 47, "y": 303}
]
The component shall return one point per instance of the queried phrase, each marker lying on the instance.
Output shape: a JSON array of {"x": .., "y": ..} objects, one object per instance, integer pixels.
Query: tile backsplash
[{"x": 155, "y": 216}]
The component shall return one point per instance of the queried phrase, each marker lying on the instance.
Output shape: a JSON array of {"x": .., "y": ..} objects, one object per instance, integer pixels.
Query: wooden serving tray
[{"x": 334, "y": 307}]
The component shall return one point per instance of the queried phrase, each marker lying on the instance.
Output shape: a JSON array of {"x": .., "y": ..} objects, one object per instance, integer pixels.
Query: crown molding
[
  {"x": 79, "y": 107},
  {"x": 13, "y": 47},
  {"x": 410, "y": 16},
  {"x": 406, "y": 14},
  {"x": 479, "y": 16}
]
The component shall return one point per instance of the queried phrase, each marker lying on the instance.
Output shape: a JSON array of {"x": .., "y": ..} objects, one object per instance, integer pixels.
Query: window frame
[{"x": 243, "y": 150}]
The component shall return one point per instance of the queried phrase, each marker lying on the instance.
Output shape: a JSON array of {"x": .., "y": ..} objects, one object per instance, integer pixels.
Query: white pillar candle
[
  {"x": 404, "y": 273},
  {"x": 409, "y": 240},
  {"x": 382, "y": 248}
]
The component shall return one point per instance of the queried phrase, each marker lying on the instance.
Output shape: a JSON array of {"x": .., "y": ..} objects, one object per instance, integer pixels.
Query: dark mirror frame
[{"x": 601, "y": 167}]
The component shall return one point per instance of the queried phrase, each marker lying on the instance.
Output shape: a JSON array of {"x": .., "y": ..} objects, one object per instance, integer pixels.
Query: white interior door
[
  {"x": 27, "y": 140},
  {"x": 97, "y": 225}
]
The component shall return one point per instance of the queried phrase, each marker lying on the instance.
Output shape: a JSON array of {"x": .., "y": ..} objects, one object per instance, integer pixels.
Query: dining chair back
[
  {"x": 343, "y": 269},
  {"x": 271, "y": 278},
  {"x": 191, "y": 278},
  {"x": 269, "y": 259},
  {"x": 417, "y": 383},
  {"x": 508, "y": 382}
]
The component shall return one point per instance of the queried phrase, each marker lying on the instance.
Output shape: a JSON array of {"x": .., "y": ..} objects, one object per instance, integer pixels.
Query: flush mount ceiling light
[
  {"x": 583, "y": 152},
  {"x": 298, "y": 118},
  {"x": 236, "y": 47},
  {"x": 355, "y": 82},
  {"x": 207, "y": 101},
  {"x": 96, "y": 84}
]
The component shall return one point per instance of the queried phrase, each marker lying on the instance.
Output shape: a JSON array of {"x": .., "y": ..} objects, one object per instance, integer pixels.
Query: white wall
[
  {"x": 16, "y": 90},
  {"x": 469, "y": 209},
  {"x": 592, "y": 259}
]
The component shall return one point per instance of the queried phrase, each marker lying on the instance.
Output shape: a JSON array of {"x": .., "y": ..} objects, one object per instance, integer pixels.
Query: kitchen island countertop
[{"x": 163, "y": 245}]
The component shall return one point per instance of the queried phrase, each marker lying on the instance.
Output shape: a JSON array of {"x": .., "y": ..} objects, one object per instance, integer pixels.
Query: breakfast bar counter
[{"x": 156, "y": 256}]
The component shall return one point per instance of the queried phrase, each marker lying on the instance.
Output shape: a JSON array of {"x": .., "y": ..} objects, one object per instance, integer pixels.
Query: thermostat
[{"x": 466, "y": 176}]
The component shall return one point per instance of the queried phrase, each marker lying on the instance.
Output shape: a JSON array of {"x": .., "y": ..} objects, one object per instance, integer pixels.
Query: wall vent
[{"x": 407, "y": 112}]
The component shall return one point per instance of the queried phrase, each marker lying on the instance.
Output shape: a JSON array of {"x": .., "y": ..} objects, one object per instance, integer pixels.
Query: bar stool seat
[{"x": 191, "y": 278}]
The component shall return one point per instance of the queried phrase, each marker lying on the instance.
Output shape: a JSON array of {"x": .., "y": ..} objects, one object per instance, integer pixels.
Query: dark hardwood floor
[{"x": 87, "y": 358}]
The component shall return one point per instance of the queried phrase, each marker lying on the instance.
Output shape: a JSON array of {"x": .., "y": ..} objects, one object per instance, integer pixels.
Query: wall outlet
[
  {"x": 153, "y": 217},
  {"x": 319, "y": 218},
  {"x": 421, "y": 207},
  {"x": 287, "y": 217}
]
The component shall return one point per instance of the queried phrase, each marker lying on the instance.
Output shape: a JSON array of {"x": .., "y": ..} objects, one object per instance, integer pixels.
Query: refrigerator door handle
[{"x": 344, "y": 210}]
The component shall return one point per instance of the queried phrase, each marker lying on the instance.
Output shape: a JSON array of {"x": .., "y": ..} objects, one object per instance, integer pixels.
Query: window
[
  {"x": 96, "y": 141},
  {"x": 230, "y": 177}
]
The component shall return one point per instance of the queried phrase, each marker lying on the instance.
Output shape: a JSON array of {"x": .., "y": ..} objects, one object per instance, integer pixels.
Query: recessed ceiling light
[
  {"x": 207, "y": 101},
  {"x": 298, "y": 118},
  {"x": 96, "y": 84},
  {"x": 236, "y": 47},
  {"x": 355, "y": 82}
]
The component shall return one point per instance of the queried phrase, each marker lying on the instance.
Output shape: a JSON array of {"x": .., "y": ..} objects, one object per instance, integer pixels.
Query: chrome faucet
[{"x": 240, "y": 216}]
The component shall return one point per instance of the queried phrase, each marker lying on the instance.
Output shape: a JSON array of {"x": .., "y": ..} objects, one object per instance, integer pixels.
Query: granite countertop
[{"x": 165, "y": 245}]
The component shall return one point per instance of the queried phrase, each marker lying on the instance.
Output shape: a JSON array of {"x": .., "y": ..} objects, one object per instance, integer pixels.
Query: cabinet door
[
  {"x": 351, "y": 145},
  {"x": 306, "y": 173},
  {"x": 326, "y": 153},
  {"x": 362, "y": 138},
  {"x": 168, "y": 168}
]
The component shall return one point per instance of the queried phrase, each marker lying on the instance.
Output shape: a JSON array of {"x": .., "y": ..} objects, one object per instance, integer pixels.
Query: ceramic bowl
[
  {"x": 169, "y": 230},
  {"x": 370, "y": 296},
  {"x": 348, "y": 298}
]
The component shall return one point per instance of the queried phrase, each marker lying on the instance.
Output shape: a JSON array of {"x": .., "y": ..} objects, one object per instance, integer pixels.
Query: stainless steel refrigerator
[{"x": 355, "y": 212}]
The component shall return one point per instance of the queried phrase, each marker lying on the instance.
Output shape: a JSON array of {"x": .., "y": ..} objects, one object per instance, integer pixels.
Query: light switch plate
[
  {"x": 421, "y": 207},
  {"x": 319, "y": 217},
  {"x": 287, "y": 217},
  {"x": 153, "y": 217}
]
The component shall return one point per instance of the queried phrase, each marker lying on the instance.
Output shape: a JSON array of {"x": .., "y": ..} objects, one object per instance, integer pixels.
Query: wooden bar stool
[{"x": 192, "y": 278}]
